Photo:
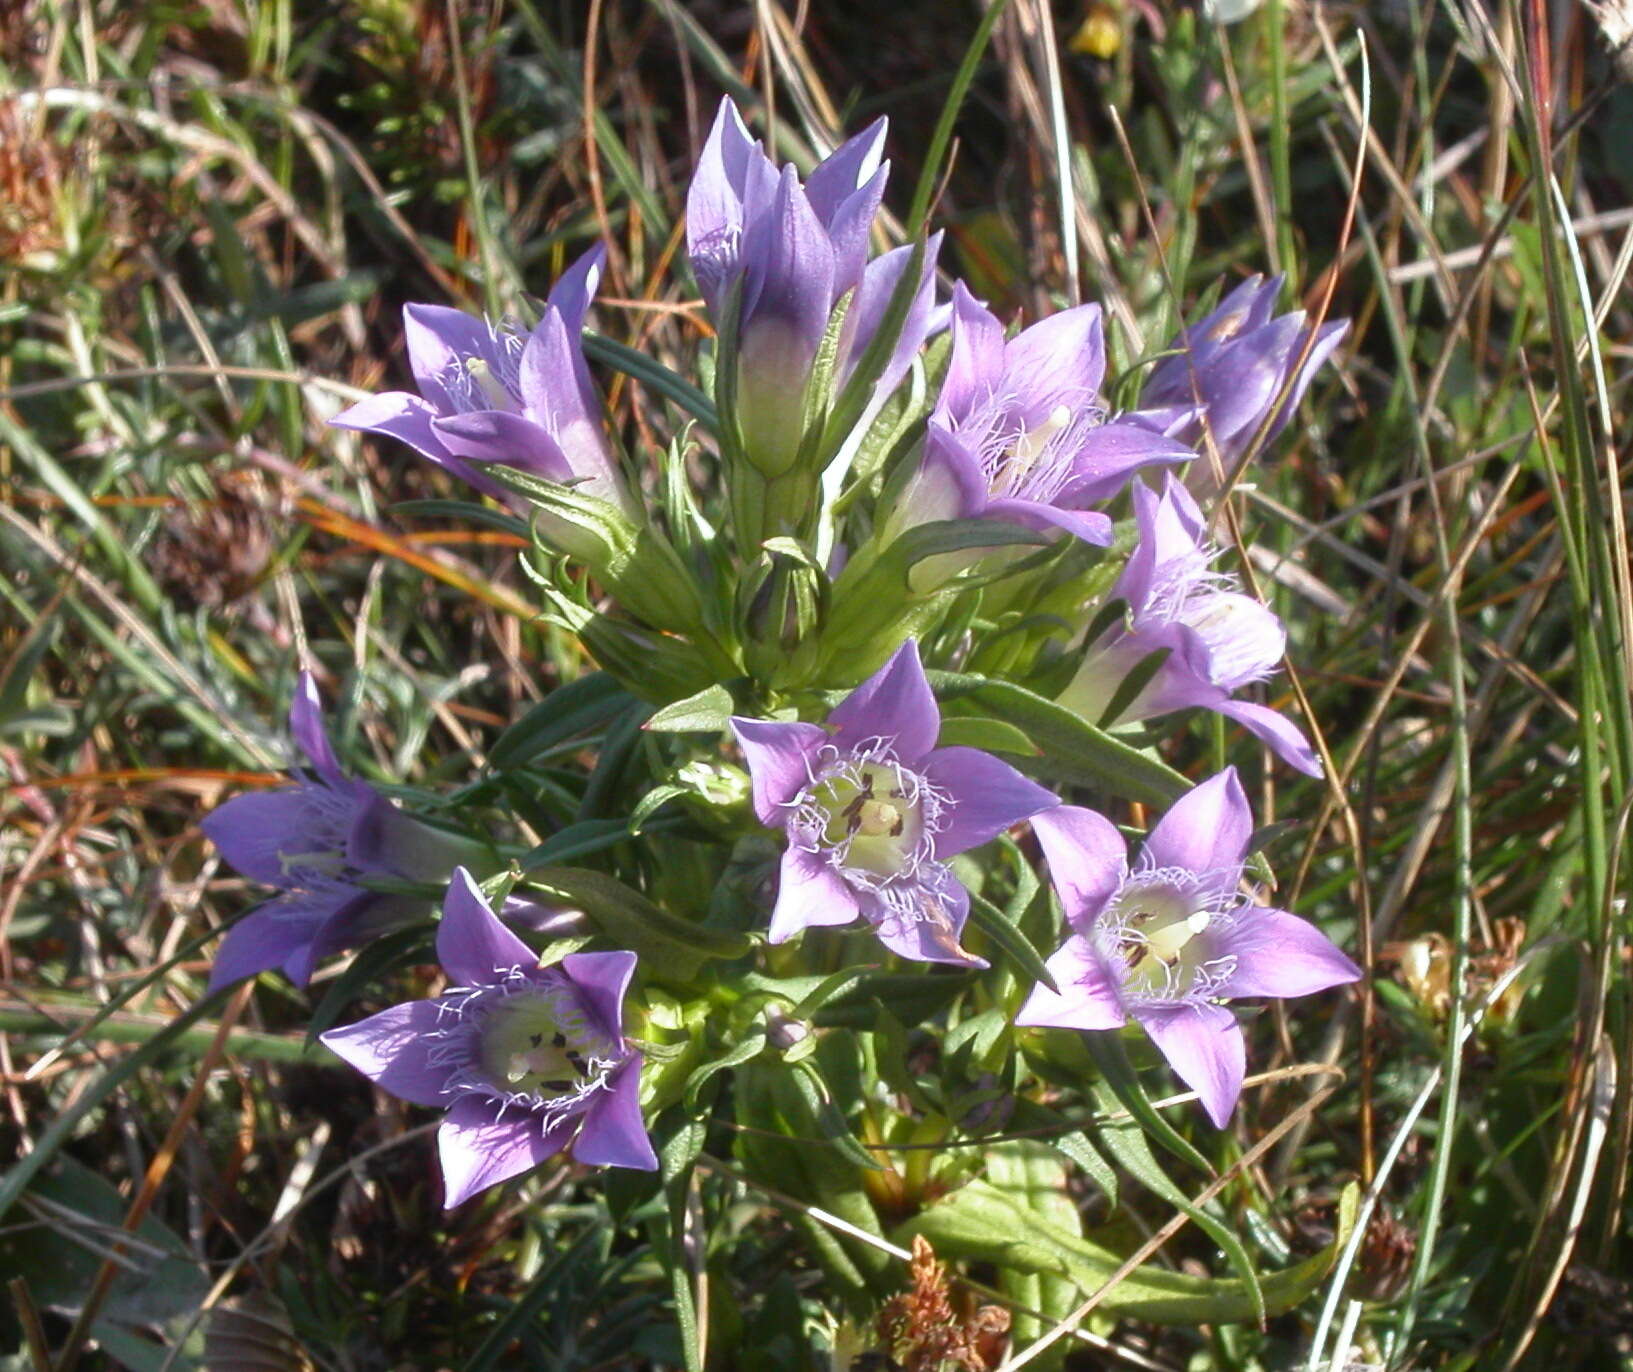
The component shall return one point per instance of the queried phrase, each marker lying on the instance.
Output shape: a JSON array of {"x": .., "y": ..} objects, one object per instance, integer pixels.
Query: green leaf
[
  {"x": 572, "y": 711},
  {"x": 1111, "y": 1057},
  {"x": 990, "y": 735},
  {"x": 707, "y": 712},
  {"x": 630, "y": 920},
  {"x": 577, "y": 840},
  {"x": 1072, "y": 1144},
  {"x": 1126, "y": 1143},
  {"x": 981, "y": 1222},
  {"x": 654, "y": 376},
  {"x": 1068, "y": 746},
  {"x": 996, "y": 925}
]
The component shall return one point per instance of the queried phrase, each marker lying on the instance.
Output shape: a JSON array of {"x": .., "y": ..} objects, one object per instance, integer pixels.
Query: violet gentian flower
[
  {"x": 873, "y": 810},
  {"x": 1217, "y": 639},
  {"x": 1166, "y": 941},
  {"x": 526, "y": 1059},
  {"x": 492, "y": 393},
  {"x": 1020, "y": 432},
  {"x": 792, "y": 252},
  {"x": 313, "y": 841},
  {"x": 1235, "y": 363}
]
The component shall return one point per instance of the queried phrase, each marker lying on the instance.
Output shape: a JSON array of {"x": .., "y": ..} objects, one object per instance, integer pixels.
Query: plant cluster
[{"x": 902, "y": 582}]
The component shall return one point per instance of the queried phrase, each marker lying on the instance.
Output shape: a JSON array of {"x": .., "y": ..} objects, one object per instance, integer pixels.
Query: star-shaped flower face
[
  {"x": 1217, "y": 640},
  {"x": 1020, "y": 432},
  {"x": 528, "y": 1060},
  {"x": 873, "y": 810},
  {"x": 1169, "y": 939}
]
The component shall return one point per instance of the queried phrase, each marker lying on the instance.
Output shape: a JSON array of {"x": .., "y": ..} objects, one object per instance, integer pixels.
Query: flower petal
[
  {"x": 1111, "y": 453},
  {"x": 809, "y": 894},
  {"x": 472, "y": 945},
  {"x": 1204, "y": 1046},
  {"x": 478, "y": 1148},
  {"x": 1088, "y": 997},
  {"x": 1060, "y": 360},
  {"x": 779, "y": 757},
  {"x": 399, "y": 415},
  {"x": 254, "y": 830},
  {"x": 392, "y": 1049},
  {"x": 1280, "y": 734},
  {"x": 614, "y": 1134},
  {"x": 277, "y": 934},
  {"x": 439, "y": 341},
  {"x": 306, "y": 724},
  {"x": 975, "y": 367},
  {"x": 1279, "y": 954},
  {"x": 929, "y": 933},
  {"x": 847, "y": 169},
  {"x": 987, "y": 797},
  {"x": 499, "y": 436},
  {"x": 894, "y": 704},
  {"x": 1087, "y": 860},
  {"x": 1089, "y": 525},
  {"x": 602, "y": 979},
  {"x": 1205, "y": 831},
  {"x": 576, "y": 287}
]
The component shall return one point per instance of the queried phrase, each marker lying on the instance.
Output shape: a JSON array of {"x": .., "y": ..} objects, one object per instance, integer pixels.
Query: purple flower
[
  {"x": 1217, "y": 640},
  {"x": 873, "y": 810},
  {"x": 1236, "y": 362},
  {"x": 526, "y": 1059},
  {"x": 491, "y": 393},
  {"x": 793, "y": 251},
  {"x": 1019, "y": 432},
  {"x": 313, "y": 841},
  {"x": 1170, "y": 938}
]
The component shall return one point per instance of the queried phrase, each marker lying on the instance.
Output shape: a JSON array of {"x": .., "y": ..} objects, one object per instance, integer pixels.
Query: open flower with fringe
[
  {"x": 1167, "y": 940},
  {"x": 873, "y": 810},
  {"x": 527, "y": 1060}
]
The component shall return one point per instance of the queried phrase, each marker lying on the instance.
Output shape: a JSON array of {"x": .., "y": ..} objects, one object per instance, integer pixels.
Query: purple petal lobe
[
  {"x": 1088, "y": 997},
  {"x": 1060, "y": 360},
  {"x": 498, "y": 436},
  {"x": 1278, "y": 954},
  {"x": 930, "y": 932},
  {"x": 306, "y": 724},
  {"x": 265, "y": 938},
  {"x": 896, "y": 704},
  {"x": 439, "y": 340},
  {"x": 478, "y": 1150},
  {"x": 472, "y": 945},
  {"x": 399, "y": 415},
  {"x": 602, "y": 979},
  {"x": 976, "y": 364},
  {"x": 254, "y": 830},
  {"x": 1089, "y": 525},
  {"x": 1205, "y": 831},
  {"x": 1283, "y": 737},
  {"x": 1087, "y": 860},
  {"x": 809, "y": 894},
  {"x": 1203, "y": 1044},
  {"x": 987, "y": 797},
  {"x": 851, "y": 166},
  {"x": 392, "y": 1049},
  {"x": 779, "y": 758},
  {"x": 613, "y": 1134},
  {"x": 576, "y": 287}
]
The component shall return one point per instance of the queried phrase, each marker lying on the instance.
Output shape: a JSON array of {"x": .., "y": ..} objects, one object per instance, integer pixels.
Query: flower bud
[{"x": 782, "y": 603}]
